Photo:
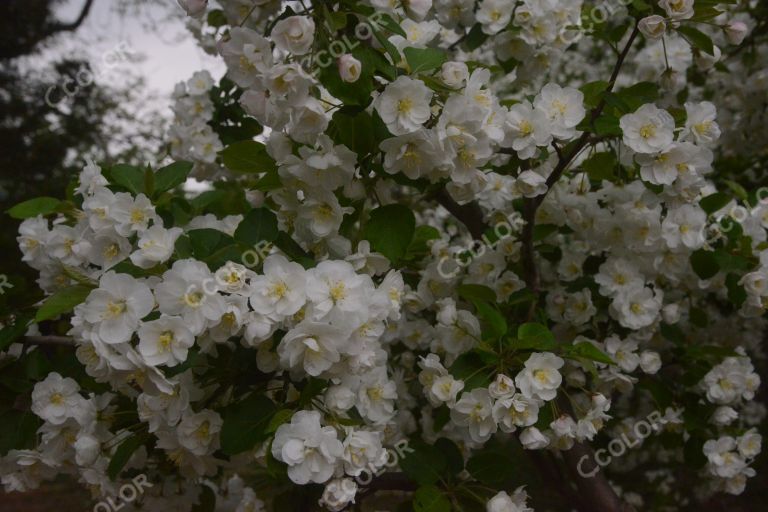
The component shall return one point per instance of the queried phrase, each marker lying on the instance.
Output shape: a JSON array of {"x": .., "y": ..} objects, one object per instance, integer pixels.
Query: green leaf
[
  {"x": 589, "y": 351},
  {"x": 493, "y": 318},
  {"x": 34, "y": 207},
  {"x": 607, "y": 125},
  {"x": 171, "y": 176},
  {"x": 736, "y": 292},
  {"x": 424, "y": 464},
  {"x": 260, "y": 224},
  {"x": 600, "y": 166},
  {"x": 470, "y": 367},
  {"x": 429, "y": 498},
  {"x": 535, "y": 336},
  {"x": 354, "y": 129},
  {"x": 280, "y": 417},
  {"x": 593, "y": 92},
  {"x": 129, "y": 177},
  {"x": 246, "y": 423},
  {"x": 386, "y": 21},
  {"x": 205, "y": 241},
  {"x": 123, "y": 454},
  {"x": 217, "y": 18},
  {"x": 419, "y": 246},
  {"x": 293, "y": 250},
  {"x": 704, "y": 263},
  {"x": 247, "y": 156},
  {"x": 63, "y": 301},
  {"x": 542, "y": 231},
  {"x": 149, "y": 181},
  {"x": 737, "y": 189},
  {"x": 424, "y": 59},
  {"x": 714, "y": 202},
  {"x": 453, "y": 456},
  {"x": 19, "y": 431},
  {"x": 697, "y": 38},
  {"x": 390, "y": 230},
  {"x": 639, "y": 94},
  {"x": 476, "y": 37},
  {"x": 476, "y": 292},
  {"x": 491, "y": 467}
]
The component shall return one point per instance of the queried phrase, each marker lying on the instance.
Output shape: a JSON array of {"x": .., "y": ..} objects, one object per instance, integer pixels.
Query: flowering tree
[{"x": 455, "y": 255}]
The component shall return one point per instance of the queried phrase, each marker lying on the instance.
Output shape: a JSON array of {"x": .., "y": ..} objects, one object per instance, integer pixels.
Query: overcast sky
[{"x": 170, "y": 52}]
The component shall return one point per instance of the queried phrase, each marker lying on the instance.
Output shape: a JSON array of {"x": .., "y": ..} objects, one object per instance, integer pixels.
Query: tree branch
[
  {"x": 62, "y": 341},
  {"x": 470, "y": 214},
  {"x": 596, "y": 492},
  {"x": 65, "y": 27}
]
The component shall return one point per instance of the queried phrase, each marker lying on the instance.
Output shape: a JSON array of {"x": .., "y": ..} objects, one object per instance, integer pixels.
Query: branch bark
[
  {"x": 469, "y": 214},
  {"x": 61, "y": 341},
  {"x": 65, "y": 27}
]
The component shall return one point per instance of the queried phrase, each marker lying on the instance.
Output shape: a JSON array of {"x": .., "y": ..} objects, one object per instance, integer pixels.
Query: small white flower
[
  {"x": 155, "y": 245},
  {"x": 677, "y": 9},
  {"x": 533, "y": 439},
  {"x": 475, "y": 411},
  {"x": 653, "y": 27},
  {"x": 735, "y": 32},
  {"x": 540, "y": 377},
  {"x": 454, "y": 74},
  {"x": 363, "y": 451},
  {"x": 57, "y": 399},
  {"x": 338, "y": 494},
  {"x": 117, "y": 306},
  {"x": 349, "y": 68},
  {"x": 564, "y": 108},
  {"x": 294, "y": 34},
  {"x": 165, "y": 341},
  {"x": 684, "y": 226},
  {"x": 199, "y": 432},
  {"x": 404, "y": 105},
  {"x": 310, "y": 450},
  {"x": 281, "y": 290},
  {"x": 637, "y": 307},
  {"x": 189, "y": 290},
  {"x": 648, "y": 130},
  {"x": 530, "y": 184},
  {"x": 312, "y": 347},
  {"x": 494, "y": 15},
  {"x": 526, "y": 129},
  {"x": 503, "y": 502},
  {"x": 700, "y": 125},
  {"x": 750, "y": 444}
]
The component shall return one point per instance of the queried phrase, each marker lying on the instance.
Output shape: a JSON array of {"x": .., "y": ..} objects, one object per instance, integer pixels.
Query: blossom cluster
[{"x": 362, "y": 325}]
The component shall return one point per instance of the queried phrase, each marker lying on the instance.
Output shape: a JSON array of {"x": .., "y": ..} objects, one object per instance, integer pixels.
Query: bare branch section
[
  {"x": 65, "y": 27},
  {"x": 60, "y": 341},
  {"x": 469, "y": 214}
]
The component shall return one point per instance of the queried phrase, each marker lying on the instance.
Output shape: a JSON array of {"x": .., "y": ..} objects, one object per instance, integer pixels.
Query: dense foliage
[{"x": 455, "y": 255}]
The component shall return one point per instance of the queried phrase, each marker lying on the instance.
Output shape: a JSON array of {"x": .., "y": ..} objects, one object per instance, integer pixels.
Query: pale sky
[{"x": 169, "y": 51}]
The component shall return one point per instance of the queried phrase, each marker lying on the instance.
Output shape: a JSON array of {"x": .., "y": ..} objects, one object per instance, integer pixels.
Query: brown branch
[
  {"x": 61, "y": 341},
  {"x": 595, "y": 491},
  {"x": 469, "y": 214},
  {"x": 68, "y": 27},
  {"x": 387, "y": 482}
]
